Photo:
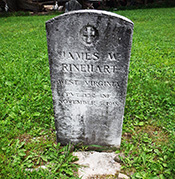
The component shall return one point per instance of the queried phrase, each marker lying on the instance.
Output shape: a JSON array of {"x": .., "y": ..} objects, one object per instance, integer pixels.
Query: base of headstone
[
  {"x": 97, "y": 148},
  {"x": 98, "y": 165}
]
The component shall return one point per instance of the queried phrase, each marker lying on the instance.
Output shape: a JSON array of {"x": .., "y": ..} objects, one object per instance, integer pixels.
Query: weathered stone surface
[
  {"x": 89, "y": 54},
  {"x": 95, "y": 164}
]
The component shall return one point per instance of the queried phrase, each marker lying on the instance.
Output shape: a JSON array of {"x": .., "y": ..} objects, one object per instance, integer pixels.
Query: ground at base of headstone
[{"x": 98, "y": 165}]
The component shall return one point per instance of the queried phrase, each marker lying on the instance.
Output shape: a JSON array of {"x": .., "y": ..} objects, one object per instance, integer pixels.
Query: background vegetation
[{"x": 27, "y": 138}]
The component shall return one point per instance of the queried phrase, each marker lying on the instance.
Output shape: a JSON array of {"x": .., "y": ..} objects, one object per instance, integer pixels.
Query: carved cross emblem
[{"x": 89, "y": 34}]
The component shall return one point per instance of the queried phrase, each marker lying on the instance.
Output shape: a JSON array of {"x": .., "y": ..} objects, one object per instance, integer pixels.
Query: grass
[
  {"x": 149, "y": 112},
  {"x": 27, "y": 138}
]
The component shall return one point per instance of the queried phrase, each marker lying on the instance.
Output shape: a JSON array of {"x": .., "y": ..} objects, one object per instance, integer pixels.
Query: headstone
[
  {"x": 89, "y": 53},
  {"x": 72, "y": 5}
]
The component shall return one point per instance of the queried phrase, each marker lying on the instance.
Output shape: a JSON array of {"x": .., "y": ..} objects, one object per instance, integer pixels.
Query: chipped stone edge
[{"x": 122, "y": 176}]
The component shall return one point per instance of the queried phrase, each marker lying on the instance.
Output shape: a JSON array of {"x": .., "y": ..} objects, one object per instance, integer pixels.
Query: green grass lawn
[{"x": 27, "y": 137}]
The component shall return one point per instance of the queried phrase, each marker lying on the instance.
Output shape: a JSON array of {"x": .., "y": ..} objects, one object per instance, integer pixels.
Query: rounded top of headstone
[{"x": 100, "y": 12}]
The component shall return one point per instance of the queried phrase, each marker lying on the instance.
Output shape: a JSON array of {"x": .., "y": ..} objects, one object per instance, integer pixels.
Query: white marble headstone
[{"x": 89, "y": 53}]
